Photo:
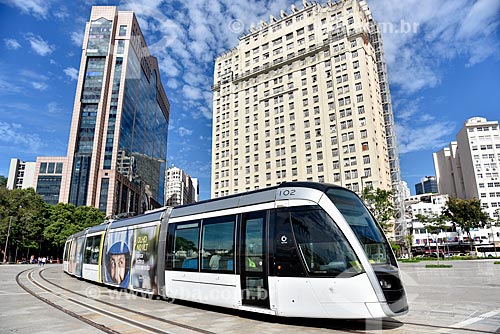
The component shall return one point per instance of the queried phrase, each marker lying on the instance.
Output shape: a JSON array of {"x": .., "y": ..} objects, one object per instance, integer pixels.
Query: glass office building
[{"x": 118, "y": 141}]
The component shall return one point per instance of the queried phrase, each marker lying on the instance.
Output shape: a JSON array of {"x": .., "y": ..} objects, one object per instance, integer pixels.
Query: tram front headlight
[{"x": 385, "y": 284}]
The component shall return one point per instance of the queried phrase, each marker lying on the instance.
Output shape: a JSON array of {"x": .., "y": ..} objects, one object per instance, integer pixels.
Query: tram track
[
  {"x": 170, "y": 322},
  {"x": 123, "y": 319},
  {"x": 367, "y": 326},
  {"x": 60, "y": 308}
]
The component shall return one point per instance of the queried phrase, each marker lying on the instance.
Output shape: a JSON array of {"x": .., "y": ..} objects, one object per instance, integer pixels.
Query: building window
[{"x": 123, "y": 30}]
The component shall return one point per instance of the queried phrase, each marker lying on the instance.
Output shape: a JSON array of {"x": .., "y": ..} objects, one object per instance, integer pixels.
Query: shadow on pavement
[{"x": 333, "y": 324}]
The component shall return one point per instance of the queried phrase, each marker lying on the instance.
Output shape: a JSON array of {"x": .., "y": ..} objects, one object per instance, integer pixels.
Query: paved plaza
[{"x": 462, "y": 299}]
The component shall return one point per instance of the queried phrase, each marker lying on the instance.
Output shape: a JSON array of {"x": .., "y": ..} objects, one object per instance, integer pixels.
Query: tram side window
[
  {"x": 66, "y": 251},
  {"x": 324, "y": 249},
  {"x": 185, "y": 254},
  {"x": 92, "y": 248},
  {"x": 218, "y": 244}
]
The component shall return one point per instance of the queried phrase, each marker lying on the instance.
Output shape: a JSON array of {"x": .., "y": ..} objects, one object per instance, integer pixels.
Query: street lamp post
[
  {"x": 493, "y": 239},
  {"x": 7, "y": 241}
]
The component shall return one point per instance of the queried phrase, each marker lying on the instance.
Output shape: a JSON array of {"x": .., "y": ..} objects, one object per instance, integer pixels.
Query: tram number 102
[{"x": 286, "y": 192}]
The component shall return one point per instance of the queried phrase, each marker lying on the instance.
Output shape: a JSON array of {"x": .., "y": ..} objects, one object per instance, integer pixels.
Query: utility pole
[{"x": 7, "y": 241}]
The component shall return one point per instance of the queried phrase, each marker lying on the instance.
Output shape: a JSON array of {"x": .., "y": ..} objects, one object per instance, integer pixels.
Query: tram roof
[
  {"x": 137, "y": 220},
  {"x": 98, "y": 228},
  {"x": 244, "y": 199}
]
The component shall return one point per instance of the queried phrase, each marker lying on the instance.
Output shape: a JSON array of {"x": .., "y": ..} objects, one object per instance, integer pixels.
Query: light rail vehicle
[{"x": 299, "y": 249}]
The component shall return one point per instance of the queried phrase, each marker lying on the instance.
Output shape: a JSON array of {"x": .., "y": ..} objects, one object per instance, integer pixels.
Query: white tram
[{"x": 299, "y": 249}]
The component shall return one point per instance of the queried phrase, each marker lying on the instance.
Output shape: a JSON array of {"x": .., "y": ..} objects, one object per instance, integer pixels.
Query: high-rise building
[
  {"x": 469, "y": 167},
  {"x": 118, "y": 140},
  {"x": 303, "y": 97},
  {"x": 428, "y": 185},
  {"x": 48, "y": 178},
  {"x": 181, "y": 189},
  {"x": 21, "y": 174}
]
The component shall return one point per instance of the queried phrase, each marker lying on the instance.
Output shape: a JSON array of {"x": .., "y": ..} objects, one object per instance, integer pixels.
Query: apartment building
[
  {"x": 305, "y": 96},
  {"x": 181, "y": 188},
  {"x": 21, "y": 174},
  {"x": 469, "y": 167}
]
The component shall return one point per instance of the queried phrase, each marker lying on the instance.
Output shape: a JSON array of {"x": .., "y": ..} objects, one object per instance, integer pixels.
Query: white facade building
[
  {"x": 469, "y": 167},
  {"x": 21, "y": 174},
  {"x": 305, "y": 97},
  {"x": 180, "y": 189}
]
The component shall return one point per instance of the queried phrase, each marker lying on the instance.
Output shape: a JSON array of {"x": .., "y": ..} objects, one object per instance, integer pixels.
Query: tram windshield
[
  {"x": 322, "y": 245},
  {"x": 364, "y": 226}
]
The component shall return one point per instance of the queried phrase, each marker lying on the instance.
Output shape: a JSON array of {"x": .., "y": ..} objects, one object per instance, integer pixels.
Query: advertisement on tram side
[
  {"x": 72, "y": 258},
  {"x": 79, "y": 256},
  {"x": 144, "y": 259},
  {"x": 117, "y": 259}
]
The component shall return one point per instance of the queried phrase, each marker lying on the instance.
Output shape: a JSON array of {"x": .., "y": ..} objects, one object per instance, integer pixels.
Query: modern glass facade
[
  {"x": 143, "y": 134},
  {"x": 48, "y": 186},
  {"x": 98, "y": 45},
  {"x": 49, "y": 177},
  {"x": 117, "y": 150}
]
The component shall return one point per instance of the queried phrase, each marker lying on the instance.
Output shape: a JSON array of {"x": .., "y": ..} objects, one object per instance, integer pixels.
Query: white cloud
[
  {"x": 434, "y": 136},
  {"x": 39, "y": 45},
  {"x": 426, "y": 34},
  {"x": 7, "y": 87},
  {"x": 71, "y": 72},
  {"x": 33, "y": 75},
  {"x": 53, "y": 108},
  {"x": 482, "y": 19},
  {"x": 15, "y": 134},
  {"x": 39, "y": 85},
  {"x": 184, "y": 132},
  {"x": 192, "y": 92},
  {"x": 12, "y": 44},
  {"x": 36, "y": 8},
  {"x": 77, "y": 38}
]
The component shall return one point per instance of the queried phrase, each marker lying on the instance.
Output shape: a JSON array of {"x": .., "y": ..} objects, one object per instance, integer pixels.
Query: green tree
[
  {"x": 26, "y": 212},
  {"x": 87, "y": 216},
  {"x": 66, "y": 219},
  {"x": 466, "y": 213},
  {"x": 433, "y": 224},
  {"x": 409, "y": 242},
  {"x": 381, "y": 205},
  {"x": 3, "y": 181}
]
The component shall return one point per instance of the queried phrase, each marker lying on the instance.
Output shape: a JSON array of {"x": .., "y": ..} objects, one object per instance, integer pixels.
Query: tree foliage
[
  {"x": 433, "y": 223},
  {"x": 33, "y": 223},
  {"x": 381, "y": 205},
  {"x": 66, "y": 219},
  {"x": 3, "y": 181},
  {"x": 26, "y": 212},
  {"x": 465, "y": 213}
]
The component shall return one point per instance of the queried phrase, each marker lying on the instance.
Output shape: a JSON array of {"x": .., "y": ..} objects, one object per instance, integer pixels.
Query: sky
[{"x": 443, "y": 60}]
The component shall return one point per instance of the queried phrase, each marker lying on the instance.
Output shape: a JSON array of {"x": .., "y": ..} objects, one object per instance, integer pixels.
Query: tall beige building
[
  {"x": 470, "y": 166},
  {"x": 304, "y": 97}
]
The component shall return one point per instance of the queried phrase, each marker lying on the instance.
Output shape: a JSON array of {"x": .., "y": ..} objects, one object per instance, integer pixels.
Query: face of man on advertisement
[{"x": 117, "y": 267}]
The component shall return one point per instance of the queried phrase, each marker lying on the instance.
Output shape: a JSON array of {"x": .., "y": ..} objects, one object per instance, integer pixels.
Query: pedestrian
[
  {"x": 44, "y": 259},
  {"x": 39, "y": 261}
]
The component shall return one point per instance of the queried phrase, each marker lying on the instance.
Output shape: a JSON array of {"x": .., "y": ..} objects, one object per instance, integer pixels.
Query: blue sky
[{"x": 443, "y": 59}]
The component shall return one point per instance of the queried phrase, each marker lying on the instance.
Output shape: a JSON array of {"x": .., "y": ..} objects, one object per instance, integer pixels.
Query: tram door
[{"x": 253, "y": 264}]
